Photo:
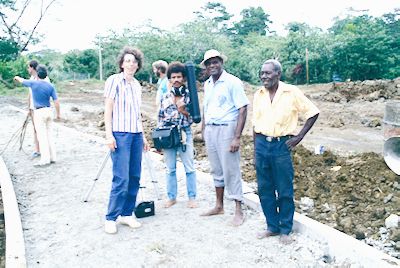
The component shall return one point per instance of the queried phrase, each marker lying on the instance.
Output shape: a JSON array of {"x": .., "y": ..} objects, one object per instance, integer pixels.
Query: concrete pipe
[
  {"x": 391, "y": 134},
  {"x": 391, "y": 154}
]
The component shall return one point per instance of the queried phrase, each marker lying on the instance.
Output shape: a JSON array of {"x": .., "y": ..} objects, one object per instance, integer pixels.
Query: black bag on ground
[
  {"x": 166, "y": 137},
  {"x": 145, "y": 209}
]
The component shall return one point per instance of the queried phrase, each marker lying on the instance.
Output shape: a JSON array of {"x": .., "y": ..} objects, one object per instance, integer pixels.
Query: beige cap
[{"x": 212, "y": 53}]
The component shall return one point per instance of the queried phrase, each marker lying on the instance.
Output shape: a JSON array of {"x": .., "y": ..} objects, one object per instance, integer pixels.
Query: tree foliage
[
  {"x": 254, "y": 20},
  {"x": 366, "y": 47},
  {"x": 355, "y": 47},
  {"x": 215, "y": 11},
  {"x": 8, "y": 49},
  {"x": 85, "y": 61},
  {"x": 11, "y": 14}
]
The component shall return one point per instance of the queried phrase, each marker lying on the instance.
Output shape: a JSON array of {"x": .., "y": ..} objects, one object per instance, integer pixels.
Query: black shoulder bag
[{"x": 166, "y": 137}]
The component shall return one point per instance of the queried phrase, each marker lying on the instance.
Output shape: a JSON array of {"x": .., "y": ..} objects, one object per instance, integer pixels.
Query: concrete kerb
[
  {"x": 340, "y": 246},
  {"x": 15, "y": 244}
]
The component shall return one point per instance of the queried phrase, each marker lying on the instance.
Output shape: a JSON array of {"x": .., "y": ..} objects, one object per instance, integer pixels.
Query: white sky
[{"x": 73, "y": 24}]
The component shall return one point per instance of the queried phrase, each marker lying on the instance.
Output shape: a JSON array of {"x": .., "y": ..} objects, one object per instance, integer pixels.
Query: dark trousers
[
  {"x": 275, "y": 173},
  {"x": 127, "y": 160}
]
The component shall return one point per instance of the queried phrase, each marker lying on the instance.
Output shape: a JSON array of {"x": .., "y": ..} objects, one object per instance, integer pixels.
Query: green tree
[
  {"x": 11, "y": 15},
  {"x": 215, "y": 11},
  {"x": 9, "y": 69},
  {"x": 246, "y": 62},
  {"x": 293, "y": 55},
  {"x": 391, "y": 22},
  {"x": 85, "y": 62},
  {"x": 362, "y": 48},
  {"x": 9, "y": 50},
  {"x": 254, "y": 20}
]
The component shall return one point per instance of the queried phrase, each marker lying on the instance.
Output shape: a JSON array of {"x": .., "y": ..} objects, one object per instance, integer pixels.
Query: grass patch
[
  {"x": 61, "y": 87},
  {"x": 79, "y": 86},
  {"x": 17, "y": 91}
]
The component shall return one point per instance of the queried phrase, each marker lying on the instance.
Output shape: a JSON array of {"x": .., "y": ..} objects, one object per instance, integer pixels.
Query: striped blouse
[{"x": 127, "y": 96}]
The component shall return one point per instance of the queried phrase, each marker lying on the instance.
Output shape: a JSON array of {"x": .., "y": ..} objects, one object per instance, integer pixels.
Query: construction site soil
[{"x": 348, "y": 186}]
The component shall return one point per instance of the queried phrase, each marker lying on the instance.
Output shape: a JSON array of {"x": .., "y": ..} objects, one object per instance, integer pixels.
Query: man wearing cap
[
  {"x": 224, "y": 111},
  {"x": 276, "y": 108}
]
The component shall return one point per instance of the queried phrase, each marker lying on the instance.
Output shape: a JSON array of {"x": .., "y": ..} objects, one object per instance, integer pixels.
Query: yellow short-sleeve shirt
[{"x": 280, "y": 118}]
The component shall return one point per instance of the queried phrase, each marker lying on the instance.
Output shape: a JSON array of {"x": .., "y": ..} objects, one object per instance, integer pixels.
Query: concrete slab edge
[
  {"x": 340, "y": 245},
  {"x": 15, "y": 244}
]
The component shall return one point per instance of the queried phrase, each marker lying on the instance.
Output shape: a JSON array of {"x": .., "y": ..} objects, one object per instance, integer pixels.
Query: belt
[
  {"x": 37, "y": 108},
  {"x": 271, "y": 139},
  {"x": 218, "y": 125}
]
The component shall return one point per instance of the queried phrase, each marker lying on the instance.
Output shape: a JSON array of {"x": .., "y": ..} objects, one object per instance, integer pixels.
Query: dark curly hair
[
  {"x": 41, "y": 71},
  {"x": 33, "y": 64},
  {"x": 135, "y": 52},
  {"x": 176, "y": 67}
]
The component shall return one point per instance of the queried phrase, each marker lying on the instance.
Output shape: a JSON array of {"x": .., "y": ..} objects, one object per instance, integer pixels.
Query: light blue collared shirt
[
  {"x": 223, "y": 99},
  {"x": 162, "y": 88}
]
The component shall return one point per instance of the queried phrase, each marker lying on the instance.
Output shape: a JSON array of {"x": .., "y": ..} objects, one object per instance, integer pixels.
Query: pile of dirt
[
  {"x": 352, "y": 194},
  {"x": 368, "y": 90}
]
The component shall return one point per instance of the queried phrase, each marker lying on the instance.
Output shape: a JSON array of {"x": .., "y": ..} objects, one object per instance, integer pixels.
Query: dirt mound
[
  {"x": 368, "y": 90},
  {"x": 352, "y": 194},
  {"x": 347, "y": 190}
]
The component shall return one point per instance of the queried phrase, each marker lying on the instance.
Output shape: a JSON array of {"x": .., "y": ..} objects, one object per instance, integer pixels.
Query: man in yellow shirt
[{"x": 276, "y": 108}]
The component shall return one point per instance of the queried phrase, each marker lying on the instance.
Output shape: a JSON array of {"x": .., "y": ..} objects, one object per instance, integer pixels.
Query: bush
[{"x": 9, "y": 69}]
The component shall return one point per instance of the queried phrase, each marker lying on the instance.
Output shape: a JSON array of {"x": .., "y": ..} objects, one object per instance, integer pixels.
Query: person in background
[
  {"x": 160, "y": 70},
  {"x": 32, "y": 66},
  {"x": 173, "y": 111},
  {"x": 276, "y": 108},
  {"x": 42, "y": 92},
  {"x": 125, "y": 138}
]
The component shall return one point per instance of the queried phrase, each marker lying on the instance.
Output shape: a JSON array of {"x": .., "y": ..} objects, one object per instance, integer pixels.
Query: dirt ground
[
  {"x": 351, "y": 187},
  {"x": 62, "y": 231}
]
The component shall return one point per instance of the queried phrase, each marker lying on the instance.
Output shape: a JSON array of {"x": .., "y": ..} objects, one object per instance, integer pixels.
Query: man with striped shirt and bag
[{"x": 125, "y": 138}]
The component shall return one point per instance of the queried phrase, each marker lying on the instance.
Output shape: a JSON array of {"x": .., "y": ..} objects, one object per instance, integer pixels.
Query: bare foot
[
  {"x": 192, "y": 204},
  {"x": 238, "y": 219},
  {"x": 265, "y": 234},
  {"x": 169, "y": 203},
  {"x": 214, "y": 211},
  {"x": 285, "y": 239}
]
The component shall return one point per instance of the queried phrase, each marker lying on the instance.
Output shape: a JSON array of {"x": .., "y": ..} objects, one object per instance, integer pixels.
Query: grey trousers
[{"x": 225, "y": 166}]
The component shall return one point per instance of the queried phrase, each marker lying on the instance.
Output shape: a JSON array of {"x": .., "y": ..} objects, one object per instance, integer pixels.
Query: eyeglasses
[{"x": 130, "y": 60}]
